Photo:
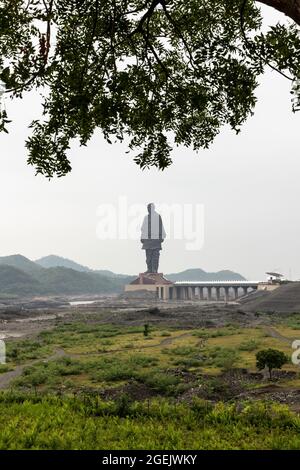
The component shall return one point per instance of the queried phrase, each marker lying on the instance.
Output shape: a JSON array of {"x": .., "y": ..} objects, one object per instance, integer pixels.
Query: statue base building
[
  {"x": 206, "y": 291},
  {"x": 154, "y": 282}
]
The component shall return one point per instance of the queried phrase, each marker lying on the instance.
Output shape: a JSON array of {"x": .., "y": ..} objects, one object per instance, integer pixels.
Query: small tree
[
  {"x": 270, "y": 358},
  {"x": 146, "y": 329}
]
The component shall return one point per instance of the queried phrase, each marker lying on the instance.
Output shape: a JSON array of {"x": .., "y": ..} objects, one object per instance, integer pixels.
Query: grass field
[
  {"x": 33, "y": 422},
  {"x": 89, "y": 385}
]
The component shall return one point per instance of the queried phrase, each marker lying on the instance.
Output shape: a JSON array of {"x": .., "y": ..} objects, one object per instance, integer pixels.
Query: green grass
[
  {"x": 188, "y": 363},
  {"x": 49, "y": 373},
  {"x": 249, "y": 345},
  {"x": 52, "y": 422},
  {"x": 225, "y": 358},
  {"x": 160, "y": 382},
  {"x": 105, "y": 355},
  {"x": 4, "y": 368},
  {"x": 181, "y": 351},
  {"x": 109, "y": 358},
  {"x": 20, "y": 351},
  {"x": 292, "y": 321},
  {"x": 216, "y": 332}
]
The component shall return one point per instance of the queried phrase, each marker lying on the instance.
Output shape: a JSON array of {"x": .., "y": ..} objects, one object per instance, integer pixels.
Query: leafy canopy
[
  {"x": 159, "y": 72},
  {"x": 270, "y": 358}
]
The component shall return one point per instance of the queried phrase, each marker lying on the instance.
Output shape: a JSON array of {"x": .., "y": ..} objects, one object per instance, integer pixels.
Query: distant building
[{"x": 274, "y": 278}]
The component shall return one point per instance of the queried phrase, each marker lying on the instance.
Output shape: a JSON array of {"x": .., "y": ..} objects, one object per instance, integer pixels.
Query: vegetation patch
[
  {"x": 250, "y": 345},
  {"x": 91, "y": 423},
  {"x": 225, "y": 358},
  {"x": 216, "y": 332}
]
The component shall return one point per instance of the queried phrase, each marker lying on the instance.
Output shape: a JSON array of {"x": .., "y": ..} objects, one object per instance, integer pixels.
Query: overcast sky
[{"x": 248, "y": 186}]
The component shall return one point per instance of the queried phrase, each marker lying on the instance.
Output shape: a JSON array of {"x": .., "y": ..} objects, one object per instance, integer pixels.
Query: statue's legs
[
  {"x": 152, "y": 260},
  {"x": 149, "y": 260},
  {"x": 155, "y": 260}
]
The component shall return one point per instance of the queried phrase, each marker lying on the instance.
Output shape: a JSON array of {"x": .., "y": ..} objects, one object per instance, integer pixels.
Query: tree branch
[
  {"x": 90, "y": 43},
  {"x": 148, "y": 14},
  {"x": 253, "y": 51},
  {"x": 177, "y": 30},
  {"x": 290, "y": 8}
]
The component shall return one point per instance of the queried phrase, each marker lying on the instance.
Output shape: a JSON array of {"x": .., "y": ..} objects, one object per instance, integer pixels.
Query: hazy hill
[
  {"x": 15, "y": 281},
  {"x": 53, "y": 261},
  {"x": 198, "y": 274},
  {"x": 62, "y": 280},
  {"x": 22, "y": 263},
  {"x": 106, "y": 272},
  {"x": 20, "y": 276}
]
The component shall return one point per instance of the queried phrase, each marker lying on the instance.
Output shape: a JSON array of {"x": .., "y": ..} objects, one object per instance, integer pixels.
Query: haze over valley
[{"x": 54, "y": 275}]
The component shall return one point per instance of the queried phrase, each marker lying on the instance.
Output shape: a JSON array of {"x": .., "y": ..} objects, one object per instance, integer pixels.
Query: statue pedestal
[{"x": 154, "y": 282}]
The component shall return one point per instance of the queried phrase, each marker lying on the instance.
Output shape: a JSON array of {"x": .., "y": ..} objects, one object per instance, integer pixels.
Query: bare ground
[{"x": 22, "y": 323}]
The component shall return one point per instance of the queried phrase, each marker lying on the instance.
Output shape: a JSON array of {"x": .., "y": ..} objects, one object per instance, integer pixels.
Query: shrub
[
  {"x": 226, "y": 358},
  {"x": 49, "y": 372},
  {"x": 33, "y": 377},
  {"x": 106, "y": 342},
  {"x": 189, "y": 362},
  {"x": 117, "y": 372},
  {"x": 154, "y": 311},
  {"x": 142, "y": 361},
  {"x": 123, "y": 405},
  {"x": 4, "y": 368},
  {"x": 205, "y": 334},
  {"x": 201, "y": 407},
  {"x": 26, "y": 349},
  {"x": 146, "y": 330},
  {"x": 249, "y": 345},
  {"x": 159, "y": 381}
]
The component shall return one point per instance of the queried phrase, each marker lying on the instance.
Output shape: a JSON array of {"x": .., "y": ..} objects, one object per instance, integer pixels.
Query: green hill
[
  {"x": 111, "y": 274},
  {"x": 53, "y": 261},
  {"x": 14, "y": 281},
  {"x": 21, "y": 262},
  {"x": 198, "y": 274},
  {"x": 20, "y": 276},
  {"x": 69, "y": 281}
]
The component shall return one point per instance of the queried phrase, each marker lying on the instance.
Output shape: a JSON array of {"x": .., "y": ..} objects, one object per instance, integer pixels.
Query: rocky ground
[{"x": 17, "y": 321}]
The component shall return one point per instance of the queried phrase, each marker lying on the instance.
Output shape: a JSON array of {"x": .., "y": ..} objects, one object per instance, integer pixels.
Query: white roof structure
[
  {"x": 217, "y": 283},
  {"x": 275, "y": 274}
]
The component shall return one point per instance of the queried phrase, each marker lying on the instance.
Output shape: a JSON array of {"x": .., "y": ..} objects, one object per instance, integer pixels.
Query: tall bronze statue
[{"x": 152, "y": 236}]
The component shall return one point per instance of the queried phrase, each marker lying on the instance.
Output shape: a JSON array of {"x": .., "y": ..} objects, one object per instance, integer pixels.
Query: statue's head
[{"x": 150, "y": 207}]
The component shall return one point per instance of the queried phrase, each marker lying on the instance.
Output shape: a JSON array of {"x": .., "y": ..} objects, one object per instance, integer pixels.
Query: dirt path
[
  {"x": 275, "y": 334},
  {"x": 7, "y": 377},
  {"x": 171, "y": 339}
]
